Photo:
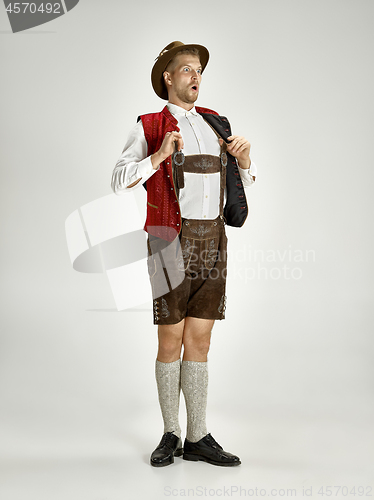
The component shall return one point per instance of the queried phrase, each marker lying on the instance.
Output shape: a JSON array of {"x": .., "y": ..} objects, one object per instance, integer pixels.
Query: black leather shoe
[
  {"x": 208, "y": 450},
  {"x": 170, "y": 446}
]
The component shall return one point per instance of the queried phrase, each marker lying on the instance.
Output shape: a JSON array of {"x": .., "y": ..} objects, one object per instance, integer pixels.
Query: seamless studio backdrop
[{"x": 78, "y": 407}]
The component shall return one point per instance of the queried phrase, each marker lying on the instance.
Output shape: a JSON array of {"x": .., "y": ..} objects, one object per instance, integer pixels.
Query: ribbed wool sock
[
  {"x": 194, "y": 384},
  {"x": 168, "y": 386}
]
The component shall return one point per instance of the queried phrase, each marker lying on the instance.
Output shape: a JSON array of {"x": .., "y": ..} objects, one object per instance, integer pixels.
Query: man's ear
[{"x": 167, "y": 78}]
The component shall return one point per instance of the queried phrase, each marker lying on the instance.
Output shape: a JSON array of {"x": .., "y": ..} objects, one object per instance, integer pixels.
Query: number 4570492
[{"x": 48, "y": 8}]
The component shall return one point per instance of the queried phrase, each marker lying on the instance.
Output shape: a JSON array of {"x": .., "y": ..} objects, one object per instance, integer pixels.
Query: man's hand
[
  {"x": 167, "y": 148},
  {"x": 239, "y": 147}
]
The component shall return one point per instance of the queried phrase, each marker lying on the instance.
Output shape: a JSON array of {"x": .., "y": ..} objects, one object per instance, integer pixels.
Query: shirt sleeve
[
  {"x": 133, "y": 166},
  {"x": 248, "y": 175}
]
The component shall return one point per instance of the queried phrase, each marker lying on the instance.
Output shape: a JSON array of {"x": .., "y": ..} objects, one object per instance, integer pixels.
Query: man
[{"x": 194, "y": 171}]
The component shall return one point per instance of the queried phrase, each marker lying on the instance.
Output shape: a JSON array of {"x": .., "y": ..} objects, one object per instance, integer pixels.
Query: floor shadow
[{"x": 10, "y": 32}]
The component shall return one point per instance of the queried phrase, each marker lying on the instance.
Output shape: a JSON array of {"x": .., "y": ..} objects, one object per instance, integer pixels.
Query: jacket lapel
[{"x": 219, "y": 123}]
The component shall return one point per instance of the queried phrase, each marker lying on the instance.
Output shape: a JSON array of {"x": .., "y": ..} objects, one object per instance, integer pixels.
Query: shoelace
[
  {"x": 212, "y": 441},
  {"x": 167, "y": 439}
]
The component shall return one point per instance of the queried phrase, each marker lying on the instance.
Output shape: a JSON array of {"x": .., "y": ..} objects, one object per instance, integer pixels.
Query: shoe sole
[
  {"x": 177, "y": 453},
  {"x": 195, "y": 458}
]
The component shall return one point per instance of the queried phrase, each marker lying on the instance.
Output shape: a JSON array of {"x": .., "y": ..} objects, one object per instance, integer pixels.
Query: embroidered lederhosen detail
[
  {"x": 200, "y": 241},
  {"x": 222, "y": 305}
]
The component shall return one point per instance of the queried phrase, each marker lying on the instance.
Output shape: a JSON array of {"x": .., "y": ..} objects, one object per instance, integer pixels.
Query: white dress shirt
[{"x": 199, "y": 199}]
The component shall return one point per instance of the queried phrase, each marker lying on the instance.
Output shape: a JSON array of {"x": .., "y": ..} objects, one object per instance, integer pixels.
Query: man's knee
[
  {"x": 169, "y": 348},
  {"x": 197, "y": 333},
  {"x": 169, "y": 341},
  {"x": 197, "y": 343}
]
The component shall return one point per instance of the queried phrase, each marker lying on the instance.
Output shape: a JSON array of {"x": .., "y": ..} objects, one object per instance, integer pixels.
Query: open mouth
[{"x": 194, "y": 87}]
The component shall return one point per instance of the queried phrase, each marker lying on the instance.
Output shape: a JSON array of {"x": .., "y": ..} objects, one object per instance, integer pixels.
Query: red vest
[{"x": 163, "y": 210}]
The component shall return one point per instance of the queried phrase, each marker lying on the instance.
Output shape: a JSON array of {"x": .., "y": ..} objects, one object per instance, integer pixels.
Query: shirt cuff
[
  {"x": 145, "y": 168},
  {"x": 248, "y": 175},
  {"x": 143, "y": 172}
]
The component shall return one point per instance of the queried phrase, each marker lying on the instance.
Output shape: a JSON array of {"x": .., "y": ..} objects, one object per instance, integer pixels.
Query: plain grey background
[{"x": 291, "y": 371}]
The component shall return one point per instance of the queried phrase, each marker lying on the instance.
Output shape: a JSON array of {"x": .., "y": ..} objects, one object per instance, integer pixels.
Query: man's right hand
[{"x": 167, "y": 148}]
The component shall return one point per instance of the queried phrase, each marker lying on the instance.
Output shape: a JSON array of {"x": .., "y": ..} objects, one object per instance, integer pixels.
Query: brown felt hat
[{"x": 165, "y": 56}]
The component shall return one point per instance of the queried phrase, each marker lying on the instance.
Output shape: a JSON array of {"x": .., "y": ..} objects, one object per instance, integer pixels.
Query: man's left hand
[{"x": 239, "y": 147}]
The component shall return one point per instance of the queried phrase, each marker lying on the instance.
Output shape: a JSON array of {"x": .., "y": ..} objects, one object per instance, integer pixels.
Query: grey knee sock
[
  {"x": 168, "y": 386},
  {"x": 194, "y": 383}
]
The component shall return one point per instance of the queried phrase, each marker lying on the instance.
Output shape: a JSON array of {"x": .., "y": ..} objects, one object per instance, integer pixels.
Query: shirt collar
[{"x": 178, "y": 111}]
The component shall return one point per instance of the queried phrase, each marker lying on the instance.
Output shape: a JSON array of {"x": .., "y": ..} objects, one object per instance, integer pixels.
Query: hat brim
[{"x": 161, "y": 63}]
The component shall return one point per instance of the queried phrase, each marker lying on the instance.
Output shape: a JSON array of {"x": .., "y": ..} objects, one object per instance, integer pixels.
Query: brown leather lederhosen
[{"x": 188, "y": 275}]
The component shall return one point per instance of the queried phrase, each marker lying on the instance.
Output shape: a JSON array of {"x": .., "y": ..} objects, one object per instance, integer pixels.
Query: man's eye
[{"x": 186, "y": 69}]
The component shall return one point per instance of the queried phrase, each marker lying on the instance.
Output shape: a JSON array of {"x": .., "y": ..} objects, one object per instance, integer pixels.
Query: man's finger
[
  {"x": 242, "y": 148},
  {"x": 177, "y": 135},
  {"x": 179, "y": 142},
  {"x": 241, "y": 143},
  {"x": 234, "y": 144},
  {"x": 173, "y": 135}
]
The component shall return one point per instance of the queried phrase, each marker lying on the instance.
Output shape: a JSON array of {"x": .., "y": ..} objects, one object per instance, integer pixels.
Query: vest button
[{"x": 172, "y": 189}]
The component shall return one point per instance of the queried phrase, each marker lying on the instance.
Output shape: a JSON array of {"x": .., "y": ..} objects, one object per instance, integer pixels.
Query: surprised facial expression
[{"x": 183, "y": 82}]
